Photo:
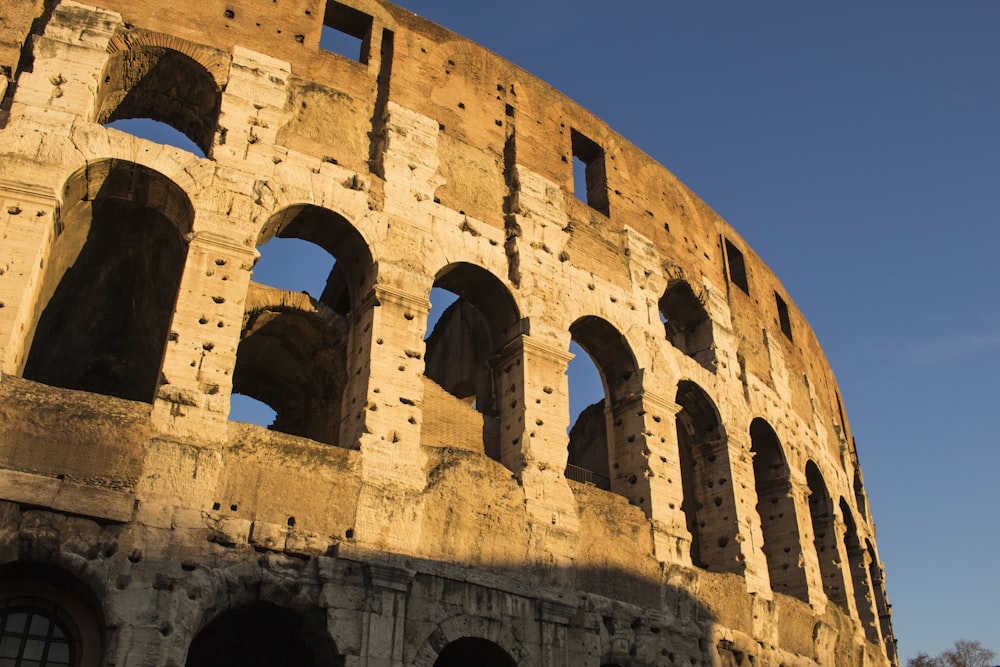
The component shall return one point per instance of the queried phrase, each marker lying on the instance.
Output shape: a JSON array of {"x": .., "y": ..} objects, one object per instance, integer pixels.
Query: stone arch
[
  {"x": 164, "y": 79},
  {"x": 293, "y": 351},
  {"x": 353, "y": 274},
  {"x": 473, "y": 651},
  {"x": 260, "y": 634},
  {"x": 776, "y": 508},
  {"x": 463, "y": 352},
  {"x": 464, "y": 626},
  {"x": 687, "y": 324},
  {"x": 857, "y": 557},
  {"x": 45, "y": 609},
  {"x": 110, "y": 281},
  {"x": 709, "y": 503},
  {"x": 600, "y": 441},
  {"x": 821, "y": 512}
]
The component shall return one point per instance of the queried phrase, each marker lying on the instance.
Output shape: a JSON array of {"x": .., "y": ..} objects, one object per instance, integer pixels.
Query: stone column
[
  {"x": 671, "y": 539},
  {"x": 27, "y": 227},
  {"x": 198, "y": 363},
  {"x": 384, "y": 622},
  {"x": 382, "y": 415},
  {"x": 849, "y": 605},
  {"x": 863, "y": 598},
  {"x": 808, "y": 562},
  {"x": 385, "y": 370},
  {"x": 557, "y": 648},
  {"x": 750, "y": 534},
  {"x": 534, "y": 417}
]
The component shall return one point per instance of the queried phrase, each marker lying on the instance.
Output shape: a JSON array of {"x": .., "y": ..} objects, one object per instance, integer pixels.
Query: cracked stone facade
[{"x": 421, "y": 498}]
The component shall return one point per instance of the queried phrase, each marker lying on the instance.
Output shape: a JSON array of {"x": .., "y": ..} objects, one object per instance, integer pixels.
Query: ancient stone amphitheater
[{"x": 419, "y": 499}]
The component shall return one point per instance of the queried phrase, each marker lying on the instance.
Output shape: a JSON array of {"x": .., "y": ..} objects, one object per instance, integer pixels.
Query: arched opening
[
  {"x": 588, "y": 460},
  {"x": 856, "y": 555},
  {"x": 473, "y": 651},
  {"x": 709, "y": 502},
  {"x": 825, "y": 536},
  {"x": 110, "y": 282},
  {"x": 48, "y": 618},
  {"x": 776, "y": 508},
  {"x": 687, "y": 323},
  {"x": 297, "y": 327},
  {"x": 263, "y": 635},
  {"x": 604, "y": 436},
  {"x": 461, "y": 405},
  {"x": 161, "y": 84},
  {"x": 157, "y": 132}
]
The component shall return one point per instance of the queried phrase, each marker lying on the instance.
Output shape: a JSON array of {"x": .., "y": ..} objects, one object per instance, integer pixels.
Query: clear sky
[{"x": 856, "y": 147}]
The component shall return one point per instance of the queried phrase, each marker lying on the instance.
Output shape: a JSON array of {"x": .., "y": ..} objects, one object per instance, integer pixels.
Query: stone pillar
[
  {"x": 384, "y": 622},
  {"x": 863, "y": 597},
  {"x": 534, "y": 417},
  {"x": 750, "y": 534},
  {"x": 849, "y": 604},
  {"x": 27, "y": 227},
  {"x": 386, "y": 364},
  {"x": 68, "y": 58},
  {"x": 557, "y": 648},
  {"x": 197, "y": 370},
  {"x": 807, "y": 560},
  {"x": 382, "y": 414},
  {"x": 671, "y": 539},
  {"x": 718, "y": 518}
]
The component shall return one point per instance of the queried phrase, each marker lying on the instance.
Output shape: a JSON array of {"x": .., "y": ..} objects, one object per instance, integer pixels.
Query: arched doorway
[
  {"x": 264, "y": 635},
  {"x": 473, "y": 652}
]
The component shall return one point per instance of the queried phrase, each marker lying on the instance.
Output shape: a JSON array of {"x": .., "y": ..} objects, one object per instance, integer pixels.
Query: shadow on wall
[{"x": 273, "y": 613}]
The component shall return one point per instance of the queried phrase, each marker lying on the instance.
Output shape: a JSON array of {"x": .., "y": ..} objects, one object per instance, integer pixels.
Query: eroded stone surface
[{"x": 418, "y": 499}]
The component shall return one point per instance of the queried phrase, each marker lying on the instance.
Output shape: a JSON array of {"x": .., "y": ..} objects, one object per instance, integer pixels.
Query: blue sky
[{"x": 856, "y": 147}]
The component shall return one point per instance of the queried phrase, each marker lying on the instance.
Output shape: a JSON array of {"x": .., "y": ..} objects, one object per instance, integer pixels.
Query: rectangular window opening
[
  {"x": 786, "y": 324},
  {"x": 737, "y": 268},
  {"x": 346, "y": 32},
  {"x": 590, "y": 180}
]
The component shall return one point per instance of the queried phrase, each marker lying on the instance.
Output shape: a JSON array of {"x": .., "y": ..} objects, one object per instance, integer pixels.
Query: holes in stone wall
[
  {"x": 590, "y": 180},
  {"x": 821, "y": 512},
  {"x": 687, "y": 323},
  {"x": 858, "y": 573},
  {"x": 346, "y": 32},
  {"x": 783, "y": 320},
  {"x": 737, "y": 270},
  {"x": 776, "y": 508},
  {"x": 704, "y": 458}
]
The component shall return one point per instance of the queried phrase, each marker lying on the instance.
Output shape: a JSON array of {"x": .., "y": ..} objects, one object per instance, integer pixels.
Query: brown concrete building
[{"x": 417, "y": 500}]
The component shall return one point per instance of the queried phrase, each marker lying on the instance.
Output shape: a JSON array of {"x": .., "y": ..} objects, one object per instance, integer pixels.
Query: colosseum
[{"x": 421, "y": 497}]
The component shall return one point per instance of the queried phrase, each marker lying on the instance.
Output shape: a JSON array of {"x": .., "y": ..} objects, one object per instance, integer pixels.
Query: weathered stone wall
[{"x": 394, "y": 514}]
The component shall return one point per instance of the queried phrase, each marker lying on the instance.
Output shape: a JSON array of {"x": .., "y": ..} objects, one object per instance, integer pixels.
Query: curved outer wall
[{"x": 715, "y": 513}]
